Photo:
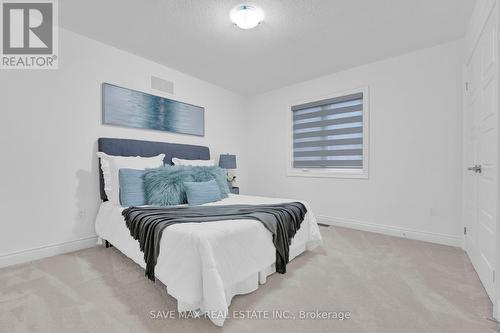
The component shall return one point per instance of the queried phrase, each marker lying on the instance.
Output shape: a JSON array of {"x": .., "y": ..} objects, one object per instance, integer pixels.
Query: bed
[{"x": 203, "y": 265}]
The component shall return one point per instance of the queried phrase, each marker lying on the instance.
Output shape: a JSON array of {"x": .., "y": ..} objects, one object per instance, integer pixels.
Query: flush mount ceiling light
[{"x": 246, "y": 16}]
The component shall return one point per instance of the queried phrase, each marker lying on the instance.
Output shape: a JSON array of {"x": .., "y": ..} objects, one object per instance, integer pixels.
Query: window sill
[{"x": 346, "y": 173}]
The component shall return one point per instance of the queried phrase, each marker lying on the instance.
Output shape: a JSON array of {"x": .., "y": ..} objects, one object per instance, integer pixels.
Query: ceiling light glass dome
[{"x": 246, "y": 16}]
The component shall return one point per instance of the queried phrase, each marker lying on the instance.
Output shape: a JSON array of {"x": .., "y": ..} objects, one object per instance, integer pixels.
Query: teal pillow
[
  {"x": 203, "y": 174},
  {"x": 132, "y": 191},
  {"x": 199, "y": 193},
  {"x": 165, "y": 186}
]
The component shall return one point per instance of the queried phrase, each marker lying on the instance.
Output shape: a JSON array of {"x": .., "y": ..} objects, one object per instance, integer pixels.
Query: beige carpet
[{"x": 388, "y": 284}]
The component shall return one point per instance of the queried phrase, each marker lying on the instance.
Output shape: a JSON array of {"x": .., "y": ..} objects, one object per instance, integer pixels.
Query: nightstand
[{"x": 234, "y": 190}]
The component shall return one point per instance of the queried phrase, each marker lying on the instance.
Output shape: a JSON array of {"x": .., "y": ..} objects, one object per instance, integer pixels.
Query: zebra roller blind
[{"x": 329, "y": 133}]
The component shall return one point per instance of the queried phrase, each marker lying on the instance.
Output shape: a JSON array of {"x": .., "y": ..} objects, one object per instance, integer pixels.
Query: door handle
[{"x": 476, "y": 168}]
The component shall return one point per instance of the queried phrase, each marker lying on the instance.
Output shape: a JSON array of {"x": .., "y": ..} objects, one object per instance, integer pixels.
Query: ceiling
[{"x": 298, "y": 40}]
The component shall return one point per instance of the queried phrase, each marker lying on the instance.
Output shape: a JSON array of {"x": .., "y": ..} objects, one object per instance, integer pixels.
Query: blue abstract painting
[{"x": 131, "y": 108}]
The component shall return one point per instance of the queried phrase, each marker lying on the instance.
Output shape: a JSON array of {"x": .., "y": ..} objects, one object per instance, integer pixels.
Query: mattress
[{"x": 204, "y": 265}]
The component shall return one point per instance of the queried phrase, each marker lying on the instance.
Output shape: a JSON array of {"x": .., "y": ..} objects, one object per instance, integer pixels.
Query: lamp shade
[{"x": 227, "y": 161}]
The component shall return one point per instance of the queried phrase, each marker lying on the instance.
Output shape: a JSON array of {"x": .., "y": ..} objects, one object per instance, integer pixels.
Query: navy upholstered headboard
[{"x": 127, "y": 147}]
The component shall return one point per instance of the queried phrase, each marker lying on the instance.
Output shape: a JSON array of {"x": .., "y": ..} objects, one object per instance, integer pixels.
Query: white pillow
[
  {"x": 111, "y": 166},
  {"x": 179, "y": 161}
]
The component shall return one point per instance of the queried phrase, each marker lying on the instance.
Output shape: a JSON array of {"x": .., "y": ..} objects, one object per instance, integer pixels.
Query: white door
[{"x": 480, "y": 156}]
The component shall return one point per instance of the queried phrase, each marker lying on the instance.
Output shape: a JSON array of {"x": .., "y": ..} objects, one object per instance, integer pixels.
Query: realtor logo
[{"x": 29, "y": 34}]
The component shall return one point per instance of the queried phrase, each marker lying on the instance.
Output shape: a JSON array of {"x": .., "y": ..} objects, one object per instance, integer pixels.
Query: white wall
[
  {"x": 49, "y": 127},
  {"x": 52, "y": 119},
  {"x": 415, "y": 156}
]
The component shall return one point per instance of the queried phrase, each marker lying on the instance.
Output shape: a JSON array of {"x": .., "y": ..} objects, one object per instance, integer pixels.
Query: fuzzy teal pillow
[{"x": 165, "y": 186}]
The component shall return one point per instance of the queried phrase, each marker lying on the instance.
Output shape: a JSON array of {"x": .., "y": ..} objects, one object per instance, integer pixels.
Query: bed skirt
[{"x": 246, "y": 286}]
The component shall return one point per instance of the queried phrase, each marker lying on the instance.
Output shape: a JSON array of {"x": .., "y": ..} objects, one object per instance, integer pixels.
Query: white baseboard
[
  {"x": 496, "y": 310},
  {"x": 392, "y": 231},
  {"x": 19, "y": 257}
]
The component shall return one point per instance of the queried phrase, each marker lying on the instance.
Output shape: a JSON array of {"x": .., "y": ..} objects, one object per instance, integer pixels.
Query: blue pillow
[
  {"x": 165, "y": 186},
  {"x": 204, "y": 174},
  {"x": 199, "y": 193},
  {"x": 132, "y": 191}
]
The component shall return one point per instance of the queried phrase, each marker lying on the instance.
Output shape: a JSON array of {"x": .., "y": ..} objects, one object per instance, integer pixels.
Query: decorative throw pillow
[
  {"x": 180, "y": 161},
  {"x": 132, "y": 191},
  {"x": 199, "y": 193},
  {"x": 203, "y": 174},
  {"x": 111, "y": 165},
  {"x": 165, "y": 186}
]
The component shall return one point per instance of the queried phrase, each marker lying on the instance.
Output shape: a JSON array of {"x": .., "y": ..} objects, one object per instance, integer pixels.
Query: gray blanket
[{"x": 146, "y": 225}]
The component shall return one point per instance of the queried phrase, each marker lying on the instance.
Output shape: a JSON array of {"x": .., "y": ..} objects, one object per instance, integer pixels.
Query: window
[{"x": 330, "y": 136}]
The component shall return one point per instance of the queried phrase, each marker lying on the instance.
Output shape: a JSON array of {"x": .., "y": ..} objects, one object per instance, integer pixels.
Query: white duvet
[{"x": 204, "y": 265}]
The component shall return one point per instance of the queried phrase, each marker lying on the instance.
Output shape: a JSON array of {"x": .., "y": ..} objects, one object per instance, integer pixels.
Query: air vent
[{"x": 162, "y": 85}]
